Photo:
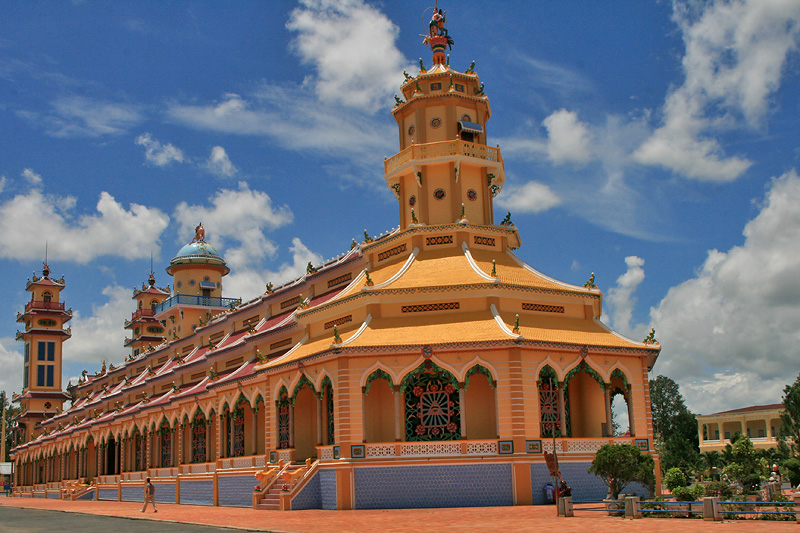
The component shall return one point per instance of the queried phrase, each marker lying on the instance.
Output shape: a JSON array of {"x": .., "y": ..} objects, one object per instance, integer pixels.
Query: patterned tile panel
[
  {"x": 108, "y": 494},
  {"x": 400, "y": 487},
  {"x": 56, "y": 496},
  {"x": 133, "y": 493},
  {"x": 309, "y": 496},
  {"x": 236, "y": 491},
  {"x": 327, "y": 489},
  {"x": 165, "y": 492},
  {"x": 197, "y": 492},
  {"x": 87, "y": 496}
]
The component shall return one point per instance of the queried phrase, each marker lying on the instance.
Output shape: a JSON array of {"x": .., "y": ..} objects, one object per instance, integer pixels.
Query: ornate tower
[
  {"x": 444, "y": 161},
  {"x": 197, "y": 272},
  {"x": 44, "y": 318},
  {"x": 146, "y": 330}
]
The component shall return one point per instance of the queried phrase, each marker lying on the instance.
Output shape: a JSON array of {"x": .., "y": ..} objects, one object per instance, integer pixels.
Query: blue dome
[{"x": 196, "y": 249}]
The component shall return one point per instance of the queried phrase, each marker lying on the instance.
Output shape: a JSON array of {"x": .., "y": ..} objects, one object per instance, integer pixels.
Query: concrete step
[{"x": 268, "y": 507}]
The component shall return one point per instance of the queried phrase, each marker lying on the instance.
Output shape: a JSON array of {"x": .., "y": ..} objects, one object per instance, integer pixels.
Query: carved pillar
[
  {"x": 609, "y": 427},
  {"x": 231, "y": 435},
  {"x": 462, "y": 408},
  {"x": 319, "y": 418},
  {"x": 364, "y": 413},
  {"x": 254, "y": 424},
  {"x": 562, "y": 411},
  {"x": 117, "y": 466},
  {"x": 399, "y": 415},
  {"x": 291, "y": 424},
  {"x": 629, "y": 401}
]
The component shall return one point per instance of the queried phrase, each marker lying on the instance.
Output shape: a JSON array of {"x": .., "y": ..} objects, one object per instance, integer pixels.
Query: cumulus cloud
[
  {"x": 100, "y": 336},
  {"x": 330, "y": 36},
  {"x": 220, "y": 164},
  {"x": 568, "y": 139},
  {"x": 532, "y": 197},
  {"x": 237, "y": 218},
  {"x": 79, "y": 116},
  {"x": 248, "y": 283},
  {"x": 11, "y": 363},
  {"x": 735, "y": 54},
  {"x": 157, "y": 153},
  {"x": 110, "y": 231},
  {"x": 730, "y": 333},
  {"x": 32, "y": 177},
  {"x": 621, "y": 298}
]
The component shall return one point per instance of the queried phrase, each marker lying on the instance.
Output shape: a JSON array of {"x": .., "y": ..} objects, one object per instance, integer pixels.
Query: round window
[
  {"x": 466, "y": 118},
  {"x": 436, "y": 122},
  {"x": 472, "y": 195},
  {"x": 206, "y": 278},
  {"x": 412, "y": 201},
  {"x": 438, "y": 194},
  {"x": 48, "y": 405},
  {"x": 411, "y": 130},
  {"x": 191, "y": 282},
  {"x": 179, "y": 284}
]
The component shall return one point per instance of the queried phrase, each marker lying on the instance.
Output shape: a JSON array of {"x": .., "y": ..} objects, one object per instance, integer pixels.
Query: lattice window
[
  {"x": 166, "y": 446},
  {"x": 485, "y": 241},
  {"x": 138, "y": 457},
  {"x": 441, "y": 239},
  {"x": 280, "y": 344},
  {"x": 432, "y": 408},
  {"x": 392, "y": 252},
  {"x": 327, "y": 390},
  {"x": 543, "y": 308},
  {"x": 238, "y": 435},
  {"x": 445, "y": 306},
  {"x": 341, "y": 279},
  {"x": 339, "y": 321},
  {"x": 548, "y": 409},
  {"x": 199, "y": 439},
  {"x": 283, "y": 422},
  {"x": 291, "y": 301}
]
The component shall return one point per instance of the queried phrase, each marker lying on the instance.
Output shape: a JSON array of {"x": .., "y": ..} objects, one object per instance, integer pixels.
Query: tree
[
  {"x": 620, "y": 464},
  {"x": 674, "y": 426},
  {"x": 790, "y": 417},
  {"x": 746, "y": 467},
  {"x": 10, "y": 412}
]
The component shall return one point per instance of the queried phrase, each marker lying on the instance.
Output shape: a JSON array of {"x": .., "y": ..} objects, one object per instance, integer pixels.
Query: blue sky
[{"x": 652, "y": 143}]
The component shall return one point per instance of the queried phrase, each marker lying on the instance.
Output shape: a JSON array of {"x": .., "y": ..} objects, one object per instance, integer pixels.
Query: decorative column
[
  {"x": 291, "y": 424},
  {"x": 117, "y": 466},
  {"x": 364, "y": 413},
  {"x": 231, "y": 433},
  {"x": 607, "y": 396},
  {"x": 319, "y": 418},
  {"x": 562, "y": 411},
  {"x": 254, "y": 423},
  {"x": 398, "y": 413},
  {"x": 461, "y": 406},
  {"x": 629, "y": 401}
]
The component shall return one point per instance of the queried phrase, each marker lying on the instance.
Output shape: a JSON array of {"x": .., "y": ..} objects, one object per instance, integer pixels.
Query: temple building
[
  {"x": 427, "y": 367},
  {"x": 762, "y": 423}
]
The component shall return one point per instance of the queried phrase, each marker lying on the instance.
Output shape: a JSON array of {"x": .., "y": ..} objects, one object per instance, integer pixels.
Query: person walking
[{"x": 149, "y": 495}]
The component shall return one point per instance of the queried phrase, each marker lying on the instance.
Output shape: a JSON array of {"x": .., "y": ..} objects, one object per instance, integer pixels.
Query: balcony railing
[
  {"x": 189, "y": 299},
  {"x": 442, "y": 149},
  {"x": 50, "y": 306},
  {"x": 142, "y": 312}
]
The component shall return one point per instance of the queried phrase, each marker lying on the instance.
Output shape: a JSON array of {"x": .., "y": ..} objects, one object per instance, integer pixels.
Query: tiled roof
[{"x": 751, "y": 409}]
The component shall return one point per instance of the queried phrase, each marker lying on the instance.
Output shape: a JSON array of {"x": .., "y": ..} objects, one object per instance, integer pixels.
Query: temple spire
[{"x": 438, "y": 38}]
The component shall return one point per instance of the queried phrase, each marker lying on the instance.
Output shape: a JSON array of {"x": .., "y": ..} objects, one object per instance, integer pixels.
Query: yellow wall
[
  {"x": 480, "y": 409},
  {"x": 379, "y": 412}
]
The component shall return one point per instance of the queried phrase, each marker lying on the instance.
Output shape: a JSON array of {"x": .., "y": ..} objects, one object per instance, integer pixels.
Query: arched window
[
  {"x": 283, "y": 404},
  {"x": 549, "y": 412},
  {"x": 199, "y": 428},
  {"x": 165, "y": 432},
  {"x": 153, "y": 304},
  {"x": 432, "y": 409},
  {"x": 47, "y": 296}
]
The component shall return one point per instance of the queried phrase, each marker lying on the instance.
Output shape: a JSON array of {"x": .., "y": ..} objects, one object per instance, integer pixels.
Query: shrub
[
  {"x": 792, "y": 467},
  {"x": 674, "y": 478},
  {"x": 698, "y": 491},
  {"x": 720, "y": 489},
  {"x": 683, "y": 494}
]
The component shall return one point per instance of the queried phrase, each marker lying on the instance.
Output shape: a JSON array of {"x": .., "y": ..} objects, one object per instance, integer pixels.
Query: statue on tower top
[
  {"x": 199, "y": 233},
  {"x": 438, "y": 37}
]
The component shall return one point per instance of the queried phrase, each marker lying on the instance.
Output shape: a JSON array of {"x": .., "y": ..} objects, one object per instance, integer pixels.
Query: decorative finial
[
  {"x": 353, "y": 244},
  {"x": 471, "y": 69},
  {"x": 367, "y": 238},
  {"x": 270, "y": 289},
  {"x": 407, "y": 76},
  {"x": 414, "y": 217},
  {"x": 516, "y": 325},
  {"x": 397, "y": 100},
  {"x": 494, "y": 268},
  {"x": 507, "y": 220},
  {"x": 337, "y": 339},
  {"x": 310, "y": 268},
  {"x": 369, "y": 282},
  {"x": 199, "y": 233},
  {"x": 651, "y": 337},
  {"x": 438, "y": 38},
  {"x": 421, "y": 66},
  {"x": 590, "y": 284}
]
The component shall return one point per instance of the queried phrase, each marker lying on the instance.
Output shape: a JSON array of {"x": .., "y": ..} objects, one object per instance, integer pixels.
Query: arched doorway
[
  {"x": 480, "y": 404},
  {"x": 379, "y": 408},
  {"x": 305, "y": 406},
  {"x": 432, "y": 407},
  {"x": 199, "y": 428},
  {"x": 587, "y": 405}
]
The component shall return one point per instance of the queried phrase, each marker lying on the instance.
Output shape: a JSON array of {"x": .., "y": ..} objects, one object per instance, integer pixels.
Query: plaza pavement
[{"x": 505, "y": 519}]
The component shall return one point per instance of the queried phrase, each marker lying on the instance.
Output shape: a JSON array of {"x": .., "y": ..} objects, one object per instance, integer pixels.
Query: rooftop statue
[{"x": 199, "y": 233}]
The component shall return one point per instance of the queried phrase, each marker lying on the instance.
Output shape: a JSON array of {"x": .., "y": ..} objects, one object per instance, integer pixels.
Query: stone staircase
[{"x": 271, "y": 501}]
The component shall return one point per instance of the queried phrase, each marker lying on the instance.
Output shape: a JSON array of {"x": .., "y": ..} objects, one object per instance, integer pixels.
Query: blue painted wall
[
  {"x": 88, "y": 496},
  {"x": 133, "y": 493},
  {"x": 165, "y": 492},
  {"x": 327, "y": 489},
  {"x": 309, "y": 496},
  {"x": 108, "y": 494},
  {"x": 197, "y": 492},
  {"x": 236, "y": 491},
  {"x": 433, "y": 486},
  {"x": 585, "y": 486}
]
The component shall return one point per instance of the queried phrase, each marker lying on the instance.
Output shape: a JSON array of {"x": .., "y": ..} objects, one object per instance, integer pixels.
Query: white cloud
[
  {"x": 111, "y": 230},
  {"x": 3, "y": 183},
  {"x": 735, "y": 54},
  {"x": 11, "y": 363},
  {"x": 32, "y": 177},
  {"x": 237, "y": 216},
  {"x": 620, "y": 298},
  {"x": 569, "y": 140},
  {"x": 79, "y": 116},
  {"x": 219, "y": 163},
  {"x": 157, "y": 153},
  {"x": 100, "y": 336},
  {"x": 532, "y": 197},
  {"x": 331, "y": 36},
  {"x": 250, "y": 282},
  {"x": 739, "y": 318}
]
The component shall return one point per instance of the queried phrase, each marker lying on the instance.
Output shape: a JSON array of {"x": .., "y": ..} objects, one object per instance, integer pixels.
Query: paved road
[{"x": 19, "y": 520}]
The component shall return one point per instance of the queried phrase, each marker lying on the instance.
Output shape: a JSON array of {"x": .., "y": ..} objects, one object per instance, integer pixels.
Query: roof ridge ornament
[
  {"x": 199, "y": 233},
  {"x": 438, "y": 37}
]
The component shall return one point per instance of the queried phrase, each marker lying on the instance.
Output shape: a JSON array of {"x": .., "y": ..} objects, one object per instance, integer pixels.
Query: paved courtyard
[{"x": 24, "y": 515}]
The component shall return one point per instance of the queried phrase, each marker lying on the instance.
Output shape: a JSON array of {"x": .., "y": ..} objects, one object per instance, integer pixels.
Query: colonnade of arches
[{"x": 426, "y": 404}]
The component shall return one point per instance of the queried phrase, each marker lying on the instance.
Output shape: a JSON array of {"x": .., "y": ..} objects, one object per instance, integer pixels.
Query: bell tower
[
  {"x": 445, "y": 171},
  {"x": 146, "y": 330},
  {"x": 44, "y": 318}
]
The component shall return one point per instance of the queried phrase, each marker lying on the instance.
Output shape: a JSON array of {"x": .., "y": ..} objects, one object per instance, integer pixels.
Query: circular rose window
[
  {"x": 411, "y": 130},
  {"x": 472, "y": 195},
  {"x": 412, "y": 201},
  {"x": 438, "y": 194},
  {"x": 48, "y": 405},
  {"x": 436, "y": 122}
]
